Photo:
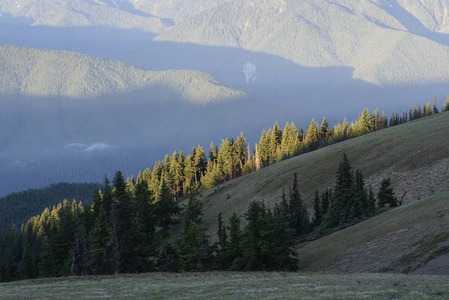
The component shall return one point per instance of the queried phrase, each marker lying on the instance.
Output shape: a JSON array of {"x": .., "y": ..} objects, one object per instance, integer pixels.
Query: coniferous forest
[{"x": 137, "y": 225}]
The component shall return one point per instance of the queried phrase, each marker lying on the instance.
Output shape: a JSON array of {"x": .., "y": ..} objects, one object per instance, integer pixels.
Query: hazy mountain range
[{"x": 242, "y": 66}]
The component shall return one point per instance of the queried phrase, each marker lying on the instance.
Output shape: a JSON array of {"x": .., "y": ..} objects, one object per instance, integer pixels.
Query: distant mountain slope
[
  {"x": 414, "y": 155},
  {"x": 148, "y": 15},
  {"x": 176, "y": 10},
  {"x": 72, "y": 117},
  {"x": 26, "y": 71},
  {"x": 81, "y": 13},
  {"x": 350, "y": 51},
  {"x": 323, "y": 34},
  {"x": 433, "y": 15}
]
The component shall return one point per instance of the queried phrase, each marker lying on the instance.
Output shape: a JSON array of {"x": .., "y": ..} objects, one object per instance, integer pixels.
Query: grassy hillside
[
  {"x": 414, "y": 155},
  {"x": 412, "y": 238},
  {"x": 232, "y": 286}
]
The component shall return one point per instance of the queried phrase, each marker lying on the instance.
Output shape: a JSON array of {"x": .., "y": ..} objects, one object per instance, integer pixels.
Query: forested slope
[
  {"x": 17, "y": 208},
  {"x": 414, "y": 155}
]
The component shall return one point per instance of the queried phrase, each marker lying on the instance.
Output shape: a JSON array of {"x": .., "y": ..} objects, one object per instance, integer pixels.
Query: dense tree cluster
[
  {"x": 233, "y": 158},
  {"x": 16, "y": 208},
  {"x": 350, "y": 200},
  {"x": 127, "y": 228},
  {"x": 126, "y": 231},
  {"x": 113, "y": 235}
]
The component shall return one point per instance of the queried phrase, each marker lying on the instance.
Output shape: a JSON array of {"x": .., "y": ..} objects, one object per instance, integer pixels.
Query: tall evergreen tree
[
  {"x": 46, "y": 262},
  {"x": 317, "y": 208},
  {"x": 435, "y": 106},
  {"x": 80, "y": 251},
  {"x": 232, "y": 251},
  {"x": 9, "y": 272},
  {"x": 143, "y": 224},
  {"x": 194, "y": 248},
  {"x": 386, "y": 196},
  {"x": 122, "y": 249},
  {"x": 264, "y": 148},
  {"x": 166, "y": 208},
  {"x": 446, "y": 105},
  {"x": 428, "y": 110},
  {"x": 325, "y": 131},
  {"x": 312, "y": 139},
  {"x": 342, "y": 201},
  {"x": 299, "y": 221},
  {"x": 27, "y": 266},
  {"x": 366, "y": 121}
]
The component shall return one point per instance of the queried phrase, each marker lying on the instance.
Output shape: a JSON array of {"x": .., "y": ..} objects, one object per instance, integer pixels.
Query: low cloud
[
  {"x": 89, "y": 148},
  {"x": 97, "y": 146}
]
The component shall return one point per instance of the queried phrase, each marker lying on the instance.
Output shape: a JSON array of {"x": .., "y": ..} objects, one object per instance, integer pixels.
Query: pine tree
[
  {"x": 384, "y": 121},
  {"x": 189, "y": 248},
  {"x": 27, "y": 266},
  {"x": 166, "y": 208},
  {"x": 143, "y": 224},
  {"x": 10, "y": 267},
  {"x": 121, "y": 244},
  {"x": 46, "y": 260},
  {"x": 192, "y": 212},
  {"x": 61, "y": 236},
  {"x": 359, "y": 203},
  {"x": 231, "y": 253},
  {"x": 265, "y": 243},
  {"x": 416, "y": 113},
  {"x": 435, "y": 106},
  {"x": 343, "y": 197},
  {"x": 299, "y": 220},
  {"x": 264, "y": 148},
  {"x": 239, "y": 154},
  {"x": 212, "y": 176},
  {"x": 225, "y": 160},
  {"x": 366, "y": 122},
  {"x": 194, "y": 248},
  {"x": 80, "y": 251},
  {"x": 376, "y": 119},
  {"x": 213, "y": 152},
  {"x": 285, "y": 147},
  {"x": 275, "y": 142},
  {"x": 325, "y": 131},
  {"x": 199, "y": 163},
  {"x": 446, "y": 105},
  {"x": 98, "y": 238},
  {"x": 168, "y": 259},
  {"x": 428, "y": 110},
  {"x": 312, "y": 139},
  {"x": 386, "y": 196},
  {"x": 325, "y": 199}
]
